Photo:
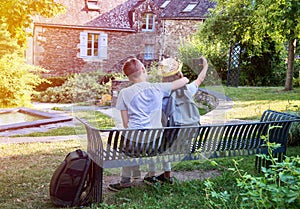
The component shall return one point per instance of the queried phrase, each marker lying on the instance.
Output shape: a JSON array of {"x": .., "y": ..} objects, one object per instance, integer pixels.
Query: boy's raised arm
[{"x": 179, "y": 83}]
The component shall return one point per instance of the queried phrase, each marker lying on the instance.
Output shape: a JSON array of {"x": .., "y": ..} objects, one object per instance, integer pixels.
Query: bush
[
  {"x": 217, "y": 57},
  {"x": 296, "y": 79},
  {"x": 294, "y": 134},
  {"x": 51, "y": 82},
  {"x": 17, "y": 81},
  {"x": 277, "y": 187},
  {"x": 83, "y": 87}
]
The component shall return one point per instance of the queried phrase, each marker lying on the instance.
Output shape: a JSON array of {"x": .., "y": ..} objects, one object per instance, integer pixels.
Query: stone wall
[{"x": 57, "y": 50}]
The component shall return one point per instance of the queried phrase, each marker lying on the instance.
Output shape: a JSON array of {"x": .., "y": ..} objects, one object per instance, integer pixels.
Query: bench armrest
[{"x": 94, "y": 142}]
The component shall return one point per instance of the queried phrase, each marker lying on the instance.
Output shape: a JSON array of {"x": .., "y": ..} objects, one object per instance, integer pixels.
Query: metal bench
[{"x": 111, "y": 148}]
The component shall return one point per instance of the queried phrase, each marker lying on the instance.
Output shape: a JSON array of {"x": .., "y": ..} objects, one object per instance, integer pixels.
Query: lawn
[
  {"x": 26, "y": 169},
  {"x": 249, "y": 103}
]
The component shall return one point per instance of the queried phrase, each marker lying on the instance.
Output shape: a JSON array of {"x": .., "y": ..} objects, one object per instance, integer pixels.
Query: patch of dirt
[{"x": 179, "y": 175}]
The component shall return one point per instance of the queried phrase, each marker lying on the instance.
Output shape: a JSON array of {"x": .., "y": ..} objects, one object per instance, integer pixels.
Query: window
[
  {"x": 148, "y": 22},
  {"x": 190, "y": 7},
  {"x": 165, "y": 4},
  {"x": 93, "y": 45},
  {"x": 149, "y": 52},
  {"x": 92, "y": 5}
]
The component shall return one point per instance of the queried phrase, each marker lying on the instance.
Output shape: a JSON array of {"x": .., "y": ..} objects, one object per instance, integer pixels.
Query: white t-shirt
[{"x": 143, "y": 101}]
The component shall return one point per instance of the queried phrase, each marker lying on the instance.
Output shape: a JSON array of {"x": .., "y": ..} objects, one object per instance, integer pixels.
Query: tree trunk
[{"x": 290, "y": 67}]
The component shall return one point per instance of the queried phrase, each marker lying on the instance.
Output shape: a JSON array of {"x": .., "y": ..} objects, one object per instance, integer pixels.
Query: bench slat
[{"x": 128, "y": 147}]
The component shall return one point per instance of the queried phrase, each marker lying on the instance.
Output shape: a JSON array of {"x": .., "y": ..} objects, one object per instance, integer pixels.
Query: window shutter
[
  {"x": 103, "y": 38},
  {"x": 83, "y": 44}
]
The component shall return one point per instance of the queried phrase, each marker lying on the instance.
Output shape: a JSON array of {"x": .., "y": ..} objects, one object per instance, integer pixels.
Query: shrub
[
  {"x": 51, "y": 82},
  {"x": 17, "y": 81},
  {"x": 83, "y": 87},
  {"x": 277, "y": 187},
  {"x": 217, "y": 57},
  {"x": 294, "y": 134}
]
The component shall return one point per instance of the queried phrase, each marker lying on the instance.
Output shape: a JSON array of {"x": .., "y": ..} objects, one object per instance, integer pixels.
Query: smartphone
[{"x": 197, "y": 64}]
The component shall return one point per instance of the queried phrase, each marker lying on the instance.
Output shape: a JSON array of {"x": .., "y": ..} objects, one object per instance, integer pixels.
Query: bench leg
[
  {"x": 258, "y": 163},
  {"x": 98, "y": 183},
  {"x": 261, "y": 162}
]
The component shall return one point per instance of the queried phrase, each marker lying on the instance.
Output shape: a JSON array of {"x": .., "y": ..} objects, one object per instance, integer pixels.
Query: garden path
[{"x": 218, "y": 115}]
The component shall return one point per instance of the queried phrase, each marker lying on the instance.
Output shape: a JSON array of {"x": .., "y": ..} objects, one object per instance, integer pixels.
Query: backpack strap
[{"x": 180, "y": 97}]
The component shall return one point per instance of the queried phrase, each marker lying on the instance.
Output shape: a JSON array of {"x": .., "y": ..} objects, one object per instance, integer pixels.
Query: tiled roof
[
  {"x": 76, "y": 13},
  {"x": 114, "y": 14},
  {"x": 118, "y": 17},
  {"x": 174, "y": 9}
]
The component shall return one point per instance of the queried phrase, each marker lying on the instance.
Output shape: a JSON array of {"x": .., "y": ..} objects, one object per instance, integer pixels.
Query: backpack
[
  {"x": 71, "y": 183},
  {"x": 181, "y": 109}
]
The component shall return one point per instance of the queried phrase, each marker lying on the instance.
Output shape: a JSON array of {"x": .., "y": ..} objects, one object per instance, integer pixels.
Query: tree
[
  {"x": 17, "y": 79},
  {"x": 7, "y": 45},
  {"x": 18, "y": 15},
  {"x": 281, "y": 20},
  {"x": 251, "y": 23}
]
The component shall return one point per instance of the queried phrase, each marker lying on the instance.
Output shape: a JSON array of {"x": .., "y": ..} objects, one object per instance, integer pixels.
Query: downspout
[
  {"x": 162, "y": 51},
  {"x": 33, "y": 45}
]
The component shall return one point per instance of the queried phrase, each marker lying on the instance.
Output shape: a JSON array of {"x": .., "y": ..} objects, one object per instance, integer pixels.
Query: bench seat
[{"x": 112, "y": 148}]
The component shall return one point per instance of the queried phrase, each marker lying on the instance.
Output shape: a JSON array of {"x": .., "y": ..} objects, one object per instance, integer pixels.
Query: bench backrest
[
  {"x": 271, "y": 115},
  {"x": 184, "y": 143},
  {"x": 239, "y": 139},
  {"x": 151, "y": 142}
]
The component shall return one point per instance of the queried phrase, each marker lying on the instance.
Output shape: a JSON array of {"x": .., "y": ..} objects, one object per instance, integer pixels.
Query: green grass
[
  {"x": 249, "y": 104},
  {"x": 26, "y": 169},
  {"x": 95, "y": 118}
]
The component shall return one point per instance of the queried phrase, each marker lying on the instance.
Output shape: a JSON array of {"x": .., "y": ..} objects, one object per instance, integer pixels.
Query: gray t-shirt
[{"x": 143, "y": 101}]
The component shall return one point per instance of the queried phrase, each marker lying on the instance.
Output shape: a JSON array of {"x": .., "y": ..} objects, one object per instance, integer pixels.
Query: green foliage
[
  {"x": 215, "y": 53},
  {"x": 277, "y": 187},
  {"x": 51, "y": 82},
  {"x": 262, "y": 38},
  {"x": 7, "y": 44},
  {"x": 18, "y": 15},
  {"x": 296, "y": 79},
  {"x": 294, "y": 134},
  {"x": 83, "y": 87},
  {"x": 17, "y": 81}
]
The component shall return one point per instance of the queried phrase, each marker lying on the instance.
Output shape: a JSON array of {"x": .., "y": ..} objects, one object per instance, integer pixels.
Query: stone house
[{"x": 100, "y": 34}]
